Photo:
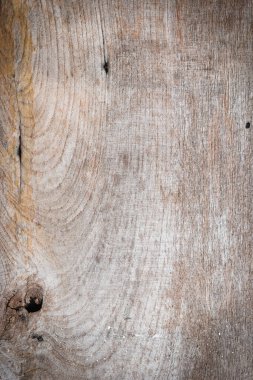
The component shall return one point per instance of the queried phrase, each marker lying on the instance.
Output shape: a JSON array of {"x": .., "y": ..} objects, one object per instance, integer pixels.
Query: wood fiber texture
[{"x": 126, "y": 193}]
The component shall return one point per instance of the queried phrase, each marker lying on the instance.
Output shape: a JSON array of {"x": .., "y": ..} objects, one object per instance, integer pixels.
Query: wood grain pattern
[{"x": 126, "y": 189}]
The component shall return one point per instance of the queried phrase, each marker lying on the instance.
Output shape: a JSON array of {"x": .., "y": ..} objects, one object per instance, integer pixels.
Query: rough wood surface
[{"x": 126, "y": 189}]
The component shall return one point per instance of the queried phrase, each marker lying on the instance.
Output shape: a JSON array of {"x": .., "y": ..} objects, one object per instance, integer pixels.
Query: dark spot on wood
[
  {"x": 19, "y": 150},
  {"x": 106, "y": 66},
  {"x": 34, "y": 300},
  {"x": 247, "y": 125},
  {"x": 34, "y": 304},
  {"x": 38, "y": 337}
]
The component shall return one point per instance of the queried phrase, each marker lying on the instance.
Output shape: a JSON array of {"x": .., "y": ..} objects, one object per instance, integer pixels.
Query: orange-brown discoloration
[{"x": 24, "y": 114}]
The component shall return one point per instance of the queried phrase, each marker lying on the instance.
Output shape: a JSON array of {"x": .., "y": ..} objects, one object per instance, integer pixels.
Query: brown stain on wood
[{"x": 16, "y": 69}]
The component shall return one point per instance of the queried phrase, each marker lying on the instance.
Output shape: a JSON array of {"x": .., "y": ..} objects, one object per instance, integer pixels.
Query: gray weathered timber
[{"x": 126, "y": 192}]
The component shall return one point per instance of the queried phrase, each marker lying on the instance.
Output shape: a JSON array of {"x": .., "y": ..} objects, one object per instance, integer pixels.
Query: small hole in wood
[
  {"x": 19, "y": 149},
  {"x": 106, "y": 67},
  {"x": 19, "y": 152},
  {"x": 38, "y": 337},
  {"x": 247, "y": 125},
  {"x": 34, "y": 304}
]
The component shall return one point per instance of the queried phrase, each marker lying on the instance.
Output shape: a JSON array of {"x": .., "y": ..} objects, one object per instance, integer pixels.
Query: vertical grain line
[
  {"x": 19, "y": 138},
  {"x": 105, "y": 55}
]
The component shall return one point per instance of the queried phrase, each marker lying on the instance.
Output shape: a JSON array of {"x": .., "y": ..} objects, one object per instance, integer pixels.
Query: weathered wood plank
[{"x": 126, "y": 189}]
